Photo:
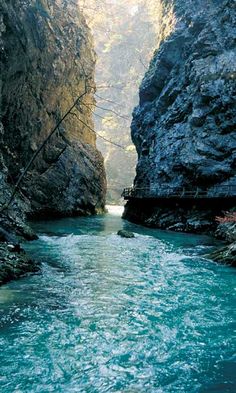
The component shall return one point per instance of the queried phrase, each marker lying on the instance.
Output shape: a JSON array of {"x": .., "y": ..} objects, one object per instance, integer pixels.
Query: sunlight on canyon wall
[{"x": 126, "y": 33}]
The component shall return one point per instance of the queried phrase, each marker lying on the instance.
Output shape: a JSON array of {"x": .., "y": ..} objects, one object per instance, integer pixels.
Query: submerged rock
[
  {"x": 226, "y": 231},
  {"x": 225, "y": 255},
  {"x": 14, "y": 263},
  {"x": 125, "y": 234}
]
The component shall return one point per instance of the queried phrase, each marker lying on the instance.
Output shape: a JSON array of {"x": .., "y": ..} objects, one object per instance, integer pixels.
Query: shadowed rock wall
[
  {"x": 184, "y": 126},
  {"x": 47, "y": 61}
]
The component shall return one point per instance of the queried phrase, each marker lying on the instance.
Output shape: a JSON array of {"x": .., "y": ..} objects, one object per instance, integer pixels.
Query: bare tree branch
[
  {"x": 106, "y": 110},
  {"x": 16, "y": 187},
  {"x": 100, "y": 136}
]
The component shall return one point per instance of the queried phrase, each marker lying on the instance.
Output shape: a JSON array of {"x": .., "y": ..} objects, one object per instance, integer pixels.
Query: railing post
[{"x": 225, "y": 191}]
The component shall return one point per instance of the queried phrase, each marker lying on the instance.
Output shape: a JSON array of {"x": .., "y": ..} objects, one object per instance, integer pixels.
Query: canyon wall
[
  {"x": 125, "y": 34},
  {"x": 47, "y": 62},
  {"x": 184, "y": 126}
]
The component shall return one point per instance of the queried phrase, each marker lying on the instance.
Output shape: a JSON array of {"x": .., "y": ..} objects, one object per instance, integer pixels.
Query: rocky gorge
[
  {"x": 47, "y": 67},
  {"x": 184, "y": 125}
]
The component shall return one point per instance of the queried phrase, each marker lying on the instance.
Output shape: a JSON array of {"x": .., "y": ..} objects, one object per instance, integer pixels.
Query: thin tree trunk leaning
[{"x": 16, "y": 187}]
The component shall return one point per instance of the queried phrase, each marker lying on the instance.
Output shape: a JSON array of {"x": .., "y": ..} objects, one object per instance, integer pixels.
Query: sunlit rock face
[
  {"x": 184, "y": 126},
  {"x": 47, "y": 61}
]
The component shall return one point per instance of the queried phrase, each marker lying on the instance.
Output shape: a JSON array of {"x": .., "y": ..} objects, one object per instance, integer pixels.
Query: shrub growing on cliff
[{"x": 229, "y": 217}]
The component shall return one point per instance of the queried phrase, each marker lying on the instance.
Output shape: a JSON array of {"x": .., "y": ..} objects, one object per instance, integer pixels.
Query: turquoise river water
[{"x": 108, "y": 314}]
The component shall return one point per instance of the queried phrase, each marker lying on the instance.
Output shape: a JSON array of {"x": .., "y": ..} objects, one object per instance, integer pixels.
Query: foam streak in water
[{"x": 142, "y": 315}]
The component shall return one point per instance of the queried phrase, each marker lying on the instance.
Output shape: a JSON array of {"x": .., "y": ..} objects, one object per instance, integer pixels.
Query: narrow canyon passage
[
  {"x": 107, "y": 314},
  {"x": 125, "y": 35},
  {"x": 89, "y": 89}
]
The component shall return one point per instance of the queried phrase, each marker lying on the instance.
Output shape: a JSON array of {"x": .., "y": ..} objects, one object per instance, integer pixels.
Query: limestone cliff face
[
  {"x": 184, "y": 126},
  {"x": 47, "y": 61}
]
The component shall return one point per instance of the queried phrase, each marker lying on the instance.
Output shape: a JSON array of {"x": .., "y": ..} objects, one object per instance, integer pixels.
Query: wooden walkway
[{"x": 217, "y": 192}]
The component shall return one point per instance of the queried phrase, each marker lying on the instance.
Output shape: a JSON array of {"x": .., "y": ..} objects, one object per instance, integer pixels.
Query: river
[{"x": 107, "y": 314}]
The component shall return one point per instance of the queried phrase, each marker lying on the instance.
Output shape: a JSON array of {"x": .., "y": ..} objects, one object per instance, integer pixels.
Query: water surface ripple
[{"x": 143, "y": 315}]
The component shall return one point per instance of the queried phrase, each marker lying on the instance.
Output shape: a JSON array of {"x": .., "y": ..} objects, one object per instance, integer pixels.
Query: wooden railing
[{"x": 226, "y": 191}]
